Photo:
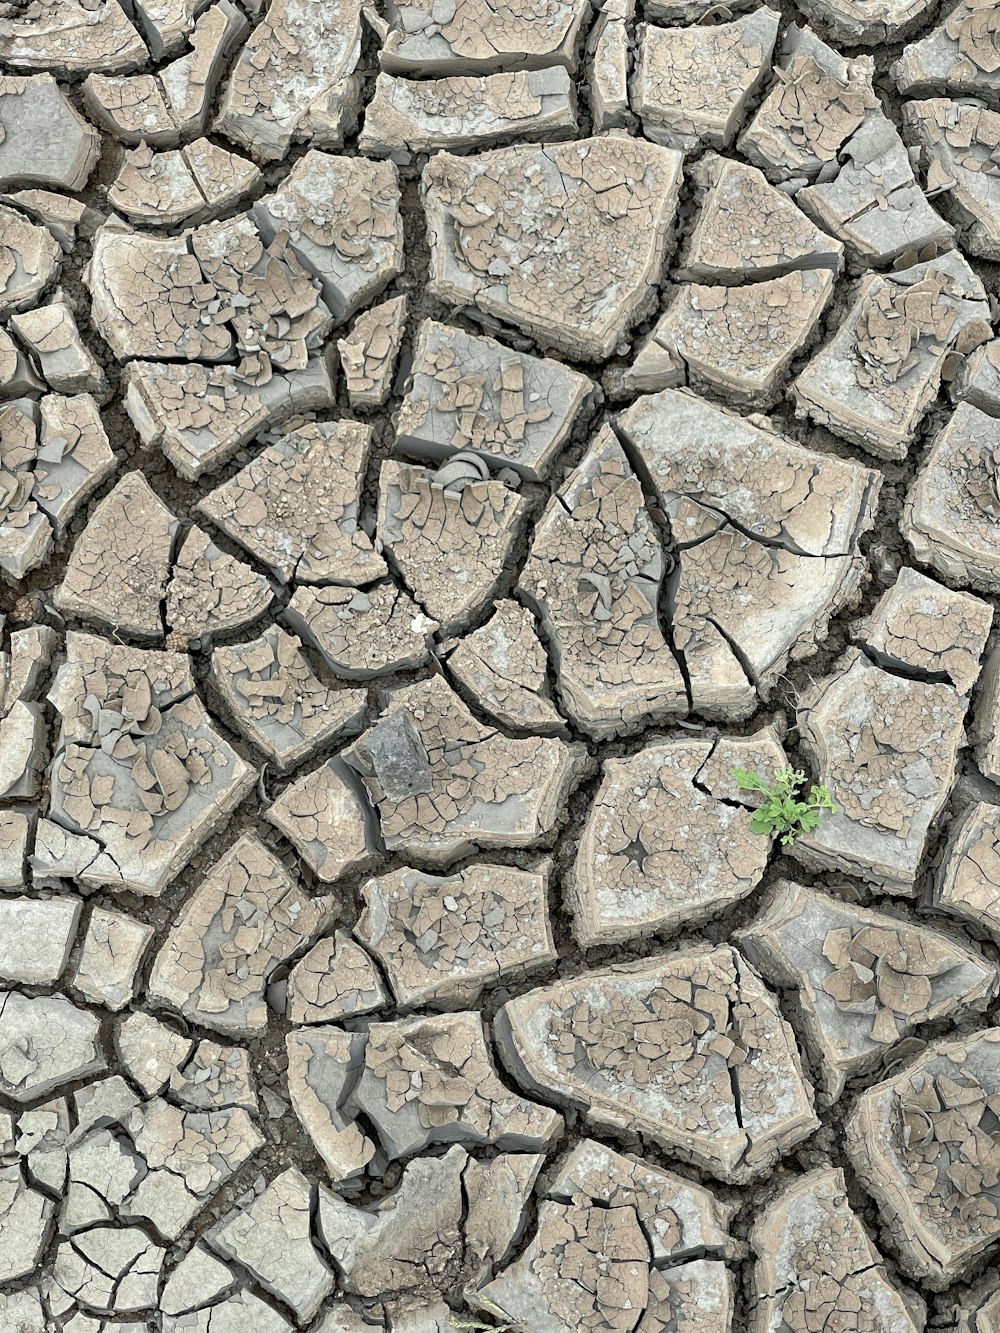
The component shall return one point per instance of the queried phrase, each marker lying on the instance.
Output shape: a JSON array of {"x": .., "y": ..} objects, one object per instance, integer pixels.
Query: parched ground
[{"x": 440, "y": 441}]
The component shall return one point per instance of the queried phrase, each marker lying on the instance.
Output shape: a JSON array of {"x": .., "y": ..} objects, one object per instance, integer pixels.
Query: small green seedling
[{"x": 783, "y": 812}]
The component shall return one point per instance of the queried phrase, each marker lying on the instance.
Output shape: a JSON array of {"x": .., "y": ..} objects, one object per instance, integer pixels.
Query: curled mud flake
[
  {"x": 450, "y": 533},
  {"x": 69, "y": 36},
  {"x": 951, "y": 510},
  {"x": 958, "y": 58},
  {"x": 172, "y": 105},
  {"x": 369, "y": 353},
  {"x": 139, "y": 767},
  {"x": 748, "y": 230},
  {"x": 245, "y": 919},
  {"x": 444, "y": 785},
  {"x": 863, "y": 979},
  {"x": 740, "y": 340},
  {"x": 442, "y": 939},
  {"x": 873, "y": 383},
  {"x": 959, "y": 142},
  {"x": 36, "y": 936},
  {"x": 295, "y": 506},
  {"x": 503, "y": 665},
  {"x": 29, "y": 260},
  {"x": 874, "y": 203},
  {"x": 106, "y": 1270},
  {"x": 118, "y": 569},
  {"x": 593, "y": 576},
  {"x": 270, "y": 1235},
  {"x": 50, "y": 333},
  {"x": 324, "y": 1065},
  {"x": 327, "y": 818},
  {"x": 659, "y": 849},
  {"x": 113, "y": 948},
  {"x": 565, "y": 242},
  {"x": 472, "y": 394},
  {"x": 180, "y": 185},
  {"x": 692, "y": 85},
  {"x": 362, "y": 634},
  {"x": 689, "y": 1049},
  {"x": 967, "y": 880},
  {"x": 817, "y": 102},
  {"x": 609, "y": 59},
  {"x": 477, "y": 36},
  {"x": 336, "y": 979},
  {"x": 450, "y": 1221},
  {"x": 407, "y": 116},
  {"x": 211, "y": 593},
  {"x": 200, "y": 415},
  {"x": 818, "y": 1269},
  {"x": 43, "y": 140},
  {"x": 920, "y": 625},
  {"x": 924, "y": 1145},
  {"x": 886, "y": 748},
  {"x": 276, "y": 700},
  {"x": 342, "y": 218},
  {"x": 45, "y": 1042}
]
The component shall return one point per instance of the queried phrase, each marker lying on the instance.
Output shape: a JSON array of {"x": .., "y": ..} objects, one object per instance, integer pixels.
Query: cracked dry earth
[{"x": 439, "y": 443}]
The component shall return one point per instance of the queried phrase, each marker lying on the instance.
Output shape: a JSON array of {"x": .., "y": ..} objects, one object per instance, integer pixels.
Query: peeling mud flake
[
  {"x": 689, "y": 1049},
  {"x": 958, "y": 58},
  {"x": 567, "y": 242},
  {"x": 180, "y": 185},
  {"x": 967, "y": 878},
  {"x": 370, "y": 352},
  {"x": 959, "y": 140},
  {"x": 29, "y": 259},
  {"x": 475, "y": 36}
]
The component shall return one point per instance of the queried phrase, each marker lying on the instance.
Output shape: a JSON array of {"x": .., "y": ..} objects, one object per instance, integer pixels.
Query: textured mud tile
[
  {"x": 874, "y": 203},
  {"x": 24, "y": 666},
  {"x": 593, "y": 575},
  {"x": 29, "y": 259},
  {"x": 62, "y": 216},
  {"x": 922, "y": 1145},
  {"x": 216, "y": 1077},
  {"x": 166, "y": 24},
  {"x": 407, "y": 116},
  {"x": 609, "y": 59},
  {"x": 689, "y": 1049},
  {"x": 478, "y": 37},
  {"x": 295, "y": 506},
  {"x": 503, "y": 666},
  {"x": 245, "y": 919},
  {"x": 984, "y": 730},
  {"x": 294, "y": 79},
  {"x": 951, "y": 510},
  {"x": 139, "y": 768},
  {"x": 180, "y": 185},
  {"x": 817, "y": 102},
  {"x": 362, "y": 634},
  {"x": 818, "y": 1269},
  {"x": 36, "y": 936},
  {"x": 106, "y": 1270},
  {"x": 118, "y": 569},
  {"x": 873, "y": 382},
  {"x": 113, "y": 949},
  {"x": 863, "y": 979},
  {"x": 211, "y": 593},
  {"x": 15, "y": 832},
  {"x": 18, "y": 376},
  {"x": 967, "y": 878},
  {"x": 628, "y": 1227},
  {"x": 443, "y": 938},
  {"x": 368, "y": 355},
  {"x": 23, "y": 751},
  {"x": 450, "y": 1219},
  {"x": 960, "y": 140},
  {"x": 200, "y": 415},
  {"x": 326, "y": 817},
  {"x": 336, "y": 979},
  {"x": 959, "y": 58},
  {"x": 768, "y": 535},
  {"x": 204, "y": 1295},
  {"x": 978, "y": 379},
  {"x": 51, "y": 336},
  {"x": 270, "y": 1235},
  {"x": 473, "y": 394},
  {"x": 172, "y": 105},
  {"x": 150, "y": 1052},
  {"x": 920, "y": 625},
  {"x": 324, "y": 1065},
  {"x": 23, "y": 1309},
  {"x": 564, "y": 242},
  {"x": 748, "y": 230},
  {"x": 45, "y": 1042},
  {"x": 739, "y": 339},
  {"x": 663, "y": 845},
  {"x": 342, "y": 218},
  {"x": 450, "y": 533},
  {"x": 275, "y": 699},
  {"x": 70, "y": 37},
  {"x": 444, "y": 785},
  {"x": 886, "y": 748},
  {"x": 692, "y": 85}
]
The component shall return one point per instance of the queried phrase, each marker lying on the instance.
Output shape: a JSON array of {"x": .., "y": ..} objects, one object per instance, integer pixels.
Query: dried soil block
[
  {"x": 29, "y": 259},
  {"x": 71, "y": 37},
  {"x": 959, "y": 140},
  {"x": 368, "y": 355},
  {"x": 45, "y": 140},
  {"x": 180, "y": 185},
  {"x": 476, "y": 38},
  {"x": 967, "y": 876},
  {"x": 958, "y": 58}
]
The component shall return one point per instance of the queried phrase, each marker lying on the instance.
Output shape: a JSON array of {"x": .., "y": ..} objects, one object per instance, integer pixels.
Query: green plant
[{"x": 783, "y": 811}]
